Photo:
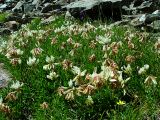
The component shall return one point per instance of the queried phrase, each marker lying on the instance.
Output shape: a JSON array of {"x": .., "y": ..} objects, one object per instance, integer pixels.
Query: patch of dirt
[{"x": 4, "y": 76}]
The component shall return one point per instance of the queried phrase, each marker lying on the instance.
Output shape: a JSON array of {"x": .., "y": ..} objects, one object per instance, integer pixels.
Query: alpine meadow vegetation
[{"x": 70, "y": 69}]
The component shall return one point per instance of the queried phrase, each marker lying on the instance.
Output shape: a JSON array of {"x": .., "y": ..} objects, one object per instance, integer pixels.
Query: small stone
[{"x": 13, "y": 25}]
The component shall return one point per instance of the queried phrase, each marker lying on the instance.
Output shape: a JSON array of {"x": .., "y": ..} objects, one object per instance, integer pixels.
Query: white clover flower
[
  {"x": 52, "y": 75},
  {"x": 103, "y": 39},
  {"x": 16, "y": 85},
  {"x": 143, "y": 69},
  {"x": 72, "y": 52},
  {"x": 48, "y": 67},
  {"x": 113, "y": 80},
  {"x": 121, "y": 80},
  {"x": 36, "y": 51},
  {"x": 8, "y": 55},
  {"x": 3, "y": 46},
  {"x": 19, "y": 52},
  {"x": 29, "y": 33},
  {"x": 76, "y": 70},
  {"x": 127, "y": 69},
  {"x": 146, "y": 66},
  {"x": 16, "y": 61},
  {"x": 150, "y": 79},
  {"x": 14, "y": 35},
  {"x": 32, "y": 61},
  {"x": 68, "y": 15},
  {"x": 70, "y": 83},
  {"x": 50, "y": 59},
  {"x": 12, "y": 52},
  {"x": 106, "y": 72},
  {"x": 69, "y": 94},
  {"x": 89, "y": 100}
]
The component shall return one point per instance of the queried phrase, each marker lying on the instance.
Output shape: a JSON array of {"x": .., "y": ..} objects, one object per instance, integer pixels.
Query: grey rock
[
  {"x": 47, "y": 7},
  {"x": 87, "y": 4},
  {"x": 50, "y": 7},
  {"x": 136, "y": 23},
  {"x": 151, "y": 17},
  {"x": 48, "y": 20},
  {"x": 64, "y": 2},
  {"x": 95, "y": 8},
  {"x": 28, "y": 7},
  {"x": 18, "y": 6},
  {"x": 139, "y": 6},
  {"x": 4, "y": 76},
  {"x": 3, "y": 6},
  {"x": 36, "y": 3},
  {"x": 5, "y": 31},
  {"x": 9, "y": 1},
  {"x": 13, "y": 25}
]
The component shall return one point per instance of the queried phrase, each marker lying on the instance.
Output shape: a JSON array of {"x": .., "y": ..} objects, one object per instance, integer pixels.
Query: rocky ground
[{"x": 138, "y": 13}]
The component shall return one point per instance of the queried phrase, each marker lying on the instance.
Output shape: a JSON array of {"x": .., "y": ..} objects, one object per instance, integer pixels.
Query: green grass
[
  {"x": 141, "y": 100},
  {"x": 3, "y": 17}
]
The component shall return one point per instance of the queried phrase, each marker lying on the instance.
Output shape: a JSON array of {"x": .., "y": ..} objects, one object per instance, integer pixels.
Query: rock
[
  {"x": 138, "y": 6},
  {"x": 14, "y": 17},
  {"x": 48, "y": 20},
  {"x": 123, "y": 22},
  {"x": 13, "y": 25},
  {"x": 146, "y": 19},
  {"x": 95, "y": 8},
  {"x": 1, "y": 24},
  {"x": 18, "y": 6},
  {"x": 36, "y": 3},
  {"x": 151, "y": 17},
  {"x": 9, "y": 1},
  {"x": 131, "y": 17},
  {"x": 5, "y": 31},
  {"x": 64, "y": 2},
  {"x": 28, "y": 7},
  {"x": 46, "y": 1},
  {"x": 20, "y": 18},
  {"x": 49, "y": 7},
  {"x": 4, "y": 76},
  {"x": 86, "y": 5},
  {"x": 3, "y": 6},
  {"x": 136, "y": 23}
]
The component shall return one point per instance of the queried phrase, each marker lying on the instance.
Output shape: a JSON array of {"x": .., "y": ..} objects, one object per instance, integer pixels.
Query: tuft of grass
[{"x": 3, "y": 17}]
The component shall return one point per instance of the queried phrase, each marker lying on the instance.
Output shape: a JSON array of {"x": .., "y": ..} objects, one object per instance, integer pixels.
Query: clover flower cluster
[
  {"x": 14, "y": 54},
  {"x": 50, "y": 66},
  {"x": 86, "y": 84}
]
